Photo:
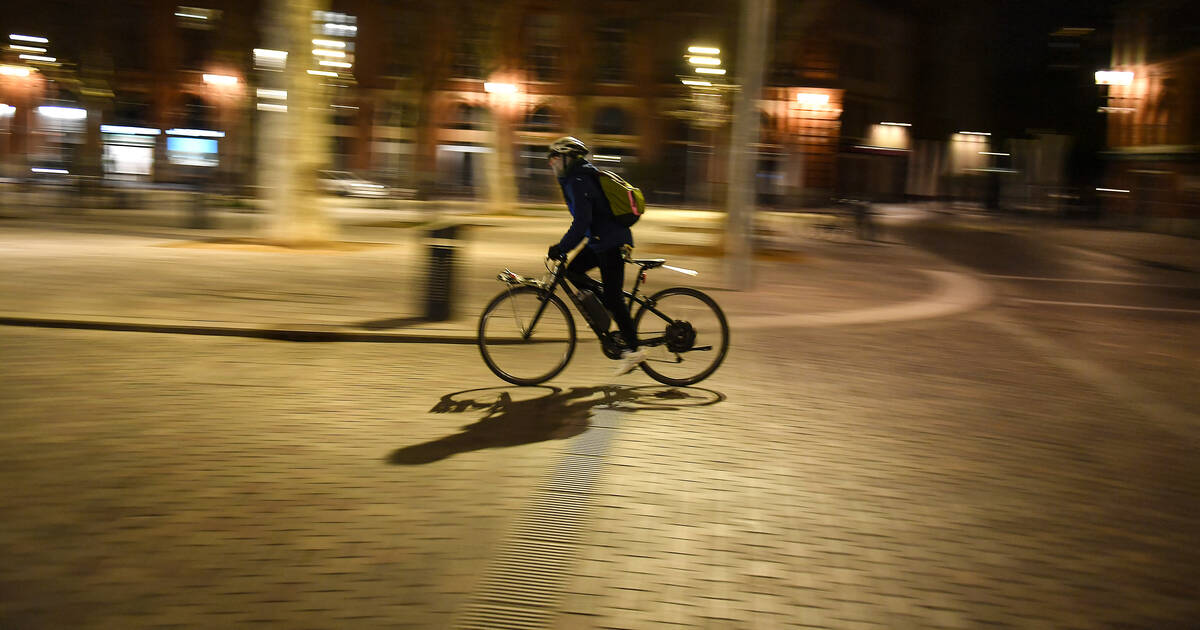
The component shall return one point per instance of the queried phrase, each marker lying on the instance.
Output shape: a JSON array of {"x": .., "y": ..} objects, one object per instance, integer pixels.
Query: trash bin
[{"x": 442, "y": 243}]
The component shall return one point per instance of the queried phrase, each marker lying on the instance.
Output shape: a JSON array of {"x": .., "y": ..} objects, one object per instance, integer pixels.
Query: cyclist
[{"x": 591, "y": 219}]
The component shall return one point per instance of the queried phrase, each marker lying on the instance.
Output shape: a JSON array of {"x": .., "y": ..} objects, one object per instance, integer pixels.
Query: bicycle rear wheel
[
  {"x": 684, "y": 334},
  {"x": 524, "y": 359}
]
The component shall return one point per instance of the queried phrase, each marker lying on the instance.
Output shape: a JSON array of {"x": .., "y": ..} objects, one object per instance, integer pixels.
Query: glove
[{"x": 555, "y": 252}]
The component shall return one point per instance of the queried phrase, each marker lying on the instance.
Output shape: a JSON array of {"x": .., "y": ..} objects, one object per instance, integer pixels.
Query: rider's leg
[
  {"x": 577, "y": 269},
  {"x": 612, "y": 275}
]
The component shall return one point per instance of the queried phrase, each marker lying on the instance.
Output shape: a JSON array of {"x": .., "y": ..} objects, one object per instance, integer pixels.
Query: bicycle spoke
[
  {"x": 518, "y": 350},
  {"x": 685, "y": 336}
]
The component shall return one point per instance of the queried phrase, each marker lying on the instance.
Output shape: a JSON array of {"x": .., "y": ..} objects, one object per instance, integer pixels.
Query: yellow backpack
[{"x": 626, "y": 200}]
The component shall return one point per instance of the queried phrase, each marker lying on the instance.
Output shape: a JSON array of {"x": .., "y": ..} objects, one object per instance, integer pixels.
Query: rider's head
[{"x": 564, "y": 152}]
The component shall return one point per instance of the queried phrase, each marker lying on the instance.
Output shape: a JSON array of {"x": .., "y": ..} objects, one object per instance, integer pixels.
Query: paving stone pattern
[
  {"x": 173, "y": 481},
  {"x": 936, "y": 474},
  {"x": 886, "y": 479},
  {"x": 857, "y": 478}
]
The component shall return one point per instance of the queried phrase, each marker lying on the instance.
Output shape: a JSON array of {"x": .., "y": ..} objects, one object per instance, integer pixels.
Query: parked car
[{"x": 348, "y": 184}]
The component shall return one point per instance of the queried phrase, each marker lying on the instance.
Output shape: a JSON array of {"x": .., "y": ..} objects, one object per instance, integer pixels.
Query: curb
[
  {"x": 954, "y": 293},
  {"x": 310, "y": 333}
]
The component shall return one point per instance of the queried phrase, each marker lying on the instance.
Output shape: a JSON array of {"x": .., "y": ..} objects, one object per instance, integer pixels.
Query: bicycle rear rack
[{"x": 515, "y": 279}]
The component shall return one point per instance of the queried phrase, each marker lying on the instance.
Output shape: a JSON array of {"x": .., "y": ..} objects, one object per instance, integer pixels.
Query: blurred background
[
  {"x": 1082, "y": 109},
  {"x": 977, "y": 409}
]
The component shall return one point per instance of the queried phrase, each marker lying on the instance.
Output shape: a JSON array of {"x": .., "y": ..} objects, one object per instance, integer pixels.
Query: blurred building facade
[
  {"x": 841, "y": 113},
  {"x": 1153, "y": 118}
]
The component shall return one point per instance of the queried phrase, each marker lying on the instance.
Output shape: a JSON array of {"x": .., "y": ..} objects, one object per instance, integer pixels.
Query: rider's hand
[{"x": 555, "y": 252}]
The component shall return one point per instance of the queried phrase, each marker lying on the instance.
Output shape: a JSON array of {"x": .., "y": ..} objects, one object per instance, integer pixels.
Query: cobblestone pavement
[
  {"x": 157, "y": 480},
  {"x": 936, "y": 474}
]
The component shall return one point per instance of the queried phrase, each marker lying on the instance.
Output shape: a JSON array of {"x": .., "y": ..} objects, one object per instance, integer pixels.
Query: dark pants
[{"x": 612, "y": 276}]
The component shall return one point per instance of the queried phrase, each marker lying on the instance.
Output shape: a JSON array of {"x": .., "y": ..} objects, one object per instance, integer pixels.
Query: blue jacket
[{"x": 591, "y": 218}]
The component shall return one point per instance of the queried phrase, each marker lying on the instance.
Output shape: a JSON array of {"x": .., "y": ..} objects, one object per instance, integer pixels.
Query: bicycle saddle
[{"x": 648, "y": 263}]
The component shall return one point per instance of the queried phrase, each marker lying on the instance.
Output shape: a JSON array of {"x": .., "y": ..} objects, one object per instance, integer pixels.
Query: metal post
[{"x": 752, "y": 57}]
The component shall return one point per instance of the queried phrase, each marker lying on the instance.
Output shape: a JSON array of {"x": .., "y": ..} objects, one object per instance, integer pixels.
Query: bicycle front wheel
[
  {"x": 684, "y": 334},
  {"x": 514, "y": 352}
]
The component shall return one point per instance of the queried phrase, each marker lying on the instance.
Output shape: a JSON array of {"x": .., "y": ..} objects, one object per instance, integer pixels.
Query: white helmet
[{"x": 569, "y": 146}]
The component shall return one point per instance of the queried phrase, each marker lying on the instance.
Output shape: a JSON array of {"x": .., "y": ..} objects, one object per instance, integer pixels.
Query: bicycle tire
[
  {"x": 719, "y": 338},
  {"x": 505, "y": 344}
]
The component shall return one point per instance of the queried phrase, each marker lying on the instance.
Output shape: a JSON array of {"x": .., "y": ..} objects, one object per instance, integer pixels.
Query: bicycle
[
  {"x": 851, "y": 219},
  {"x": 527, "y": 335}
]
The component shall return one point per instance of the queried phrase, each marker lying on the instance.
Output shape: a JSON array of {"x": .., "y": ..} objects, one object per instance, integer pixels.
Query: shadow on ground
[
  {"x": 393, "y": 323},
  {"x": 523, "y": 415}
]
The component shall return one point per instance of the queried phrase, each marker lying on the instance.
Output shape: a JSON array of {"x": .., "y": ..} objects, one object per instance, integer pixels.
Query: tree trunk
[
  {"x": 499, "y": 173},
  {"x": 743, "y": 156},
  {"x": 293, "y": 143}
]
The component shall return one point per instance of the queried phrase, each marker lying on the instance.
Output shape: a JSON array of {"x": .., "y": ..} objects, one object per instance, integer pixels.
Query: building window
[
  {"x": 197, "y": 114},
  {"x": 468, "y": 50},
  {"x": 197, "y": 18},
  {"x": 542, "y": 119},
  {"x": 332, "y": 24},
  {"x": 397, "y": 114},
  {"x": 131, "y": 109},
  {"x": 612, "y": 51},
  {"x": 344, "y": 115},
  {"x": 859, "y": 61},
  {"x": 196, "y": 45},
  {"x": 466, "y": 117},
  {"x": 856, "y": 118},
  {"x": 543, "y": 47},
  {"x": 611, "y": 121}
]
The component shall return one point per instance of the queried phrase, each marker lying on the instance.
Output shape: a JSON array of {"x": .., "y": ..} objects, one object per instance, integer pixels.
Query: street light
[
  {"x": 268, "y": 59},
  {"x": 220, "y": 80},
  {"x": 62, "y": 113},
  {"x": 1113, "y": 77},
  {"x": 28, "y": 38},
  {"x": 500, "y": 88},
  {"x": 812, "y": 99},
  {"x": 196, "y": 133},
  {"x": 132, "y": 131},
  {"x": 14, "y": 71}
]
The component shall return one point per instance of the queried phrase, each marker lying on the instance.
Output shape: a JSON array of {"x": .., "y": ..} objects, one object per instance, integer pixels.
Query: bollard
[
  {"x": 198, "y": 214},
  {"x": 442, "y": 242}
]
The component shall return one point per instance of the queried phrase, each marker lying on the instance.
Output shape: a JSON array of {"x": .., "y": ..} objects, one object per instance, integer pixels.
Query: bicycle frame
[{"x": 631, "y": 297}]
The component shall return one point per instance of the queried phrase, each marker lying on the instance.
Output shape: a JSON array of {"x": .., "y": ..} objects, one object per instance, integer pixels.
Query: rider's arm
[{"x": 581, "y": 211}]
